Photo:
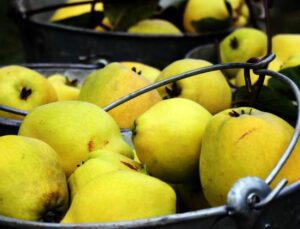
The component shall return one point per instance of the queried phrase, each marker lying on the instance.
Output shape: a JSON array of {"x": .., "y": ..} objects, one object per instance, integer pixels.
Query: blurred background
[{"x": 285, "y": 18}]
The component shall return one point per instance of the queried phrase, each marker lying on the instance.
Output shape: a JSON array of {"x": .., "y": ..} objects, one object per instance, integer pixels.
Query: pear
[
  {"x": 112, "y": 82},
  {"x": 74, "y": 129},
  {"x": 211, "y": 89},
  {"x": 23, "y": 88},
  {"x": 98, "y": 163},
  {"x": 243, "y": 142},
  {"x": 33, "y": 184},
  {"x": 284, "y": 45},
  {"x": 154, "y": 26},
  {"x": 167, "y": 139},
  {"x": 239, "y": 80},
  {"x": 145, "y": 70},
  {"x": 121, "y": 195},
  {"x": 212, "y": 16},
  {"x": 241, "y": 45},
  {"x": 65, "y": 88}
]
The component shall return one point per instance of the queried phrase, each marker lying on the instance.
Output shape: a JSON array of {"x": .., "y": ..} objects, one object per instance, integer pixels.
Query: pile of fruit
[
  {"x": 156, "y": 16},
  {"x": 69, "y": 163}
]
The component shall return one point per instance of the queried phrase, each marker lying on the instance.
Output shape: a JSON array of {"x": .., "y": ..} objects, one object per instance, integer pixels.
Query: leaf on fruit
[
  {"x": 86, "y": 20},
  {"x": 294, "y": 74},
  {"x": 124, "y": 13},
  {"x": 269, "y": 100},
  {"x": 209, "y": 24}
]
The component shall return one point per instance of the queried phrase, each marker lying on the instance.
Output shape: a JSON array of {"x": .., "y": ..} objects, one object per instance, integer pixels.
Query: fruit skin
[
  {"x": 197, "y": 10},
  {"x": 292, "y": 61},
  {"x": 240, "y": 80},
  {"x": 65, "y": 89},
  {"x": 98, "y": 163},
  {"x": 74, "y": 129},
  {"x": 147, "y": 71},
  {"x": 66, "y": 12},
  {"x": 211, "y": 89},
  {"x": 247, "y": 142},
  {"x": 121, "y": 195},
  {"x": 33, "y": 185},
  {"x": 167, "y": 139},
  {"x": 112, "y": 82},
  {"x": 154, "y": 26},
  {"x": 241, "y": 45},
  {"x": 23, "y": 88},
  {"x": 284, "y": 45}
]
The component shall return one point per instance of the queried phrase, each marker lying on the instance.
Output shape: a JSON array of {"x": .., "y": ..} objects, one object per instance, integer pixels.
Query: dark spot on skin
[
  {"x": 25, "y": 93},
  {"x": 129, "y": 165},
  {"x": 106, "y": 142},
  {"x": 133, "y": 130},
  {"x": 234, "y": 44},
  {"x": 246, "y": 133},
  {"x": 139, "y": 73},
  {"x": 242, "y": 112}
]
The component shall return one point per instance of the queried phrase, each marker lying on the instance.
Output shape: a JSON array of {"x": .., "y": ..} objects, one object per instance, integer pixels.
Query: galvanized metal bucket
[
  {"x": 278, "y": 208},
  {"x": 43, "y": 40}
]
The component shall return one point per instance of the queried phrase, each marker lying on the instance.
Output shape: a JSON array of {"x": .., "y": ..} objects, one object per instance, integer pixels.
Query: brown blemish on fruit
[
  {"x": 234, "y": 114},
  {"x": 129, "y": 165},
  {"x": 246, "y": 133},
  {"x": 90, "y": 146}
]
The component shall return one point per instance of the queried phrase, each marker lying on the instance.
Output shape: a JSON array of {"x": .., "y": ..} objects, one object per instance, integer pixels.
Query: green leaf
[
  {"x": 125, "y": 13},
  {"x": 294, "y": 74},
  {"x": 268, "y": 100},
  {"x": 210, "y": 24},
  {"x": 86, "y": 20}
]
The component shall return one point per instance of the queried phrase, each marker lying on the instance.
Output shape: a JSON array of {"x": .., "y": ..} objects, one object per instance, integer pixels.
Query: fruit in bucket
[
  {"x": 145, "y": 70},
  {"x": 167, "y": 139},
  {"x": 65, "y": 88},
  {"x": 24, "y": 89},
  {"x": 243, "y": 142},
  {"x": 211, "y": 89},
  {"x": 74, "y": 129},
  {"x": 33, "y": 184},
  {"x": 154, "y": 26},
  {"x": 214, "y": 15},
  {"x": 121, "y": 195},
  {"x": 241, "y": 45},
  {"x": 112, "y": 82},
  {"x": 98, "y": 163}
]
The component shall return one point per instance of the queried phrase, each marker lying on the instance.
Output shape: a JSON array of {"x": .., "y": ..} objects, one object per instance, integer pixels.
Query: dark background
[{"x": 285, "y": 18}]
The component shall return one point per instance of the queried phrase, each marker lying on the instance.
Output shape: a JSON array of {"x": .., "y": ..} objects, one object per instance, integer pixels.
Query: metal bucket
[
  {"x": 277, "y": 209},
  {"x": 43, "y": 40}
]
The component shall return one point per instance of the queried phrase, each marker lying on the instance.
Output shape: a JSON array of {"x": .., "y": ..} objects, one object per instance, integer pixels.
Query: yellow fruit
[
  {"x": 33, "y": 185},
  {"x": 244, "y": 142},
  {"x": 211, "y": 89},
  {"x": 240, "y": 80},
  {"x": 167, "y": 139},
  {"x": 98, "y": 163},
  {"x": 145, "y": 70},
  {"x": 197, "y": 10},
  {"x": 24, "y": 89},
  {"x": 74, "y": 129},
  {"x": 292, "y": 61},
  {"x": 65, "y": 89},
  {"x": 121, "y": 195},
  {"x": 241, "y": 45},
  {"x": 112, "y": 82},
  {"x": 285, "y": 45},
  {"x": 154, "y": 26},
  {"x": 72, "y": 11}
]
